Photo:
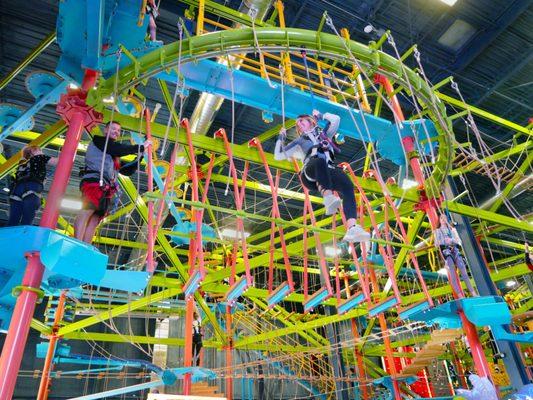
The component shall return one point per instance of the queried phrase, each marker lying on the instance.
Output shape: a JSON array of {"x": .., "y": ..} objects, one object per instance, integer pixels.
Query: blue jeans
[{"x": 22, "y": 209}]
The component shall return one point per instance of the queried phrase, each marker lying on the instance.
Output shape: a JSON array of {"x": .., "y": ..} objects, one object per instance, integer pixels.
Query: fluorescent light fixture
[
  {"x": 330, "y": 251},
  {"x": 6, "y": 190},
  {"x": 109, "y": 100},
  {"x": 449, "y": 2},
  {"x": 71, "y": 204},
  {"x": 442, "y": 271},
  {"x": 229, "y": 233},
  {"x": 510, "y": 283},
  {"x": 73, "y": 86},
  {"x": 408, "y": 184},
  {"x": 457, "y": 35}
]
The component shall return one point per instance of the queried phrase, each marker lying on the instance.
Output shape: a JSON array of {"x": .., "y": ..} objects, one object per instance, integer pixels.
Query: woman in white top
[{"x": 315, "y": 147}]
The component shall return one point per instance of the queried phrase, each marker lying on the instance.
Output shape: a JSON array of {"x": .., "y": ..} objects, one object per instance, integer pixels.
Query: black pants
[
  {"x": 196, "y": 347},
  {"x": 330, "y": 179},
  {"x": 23, "y": 208}
]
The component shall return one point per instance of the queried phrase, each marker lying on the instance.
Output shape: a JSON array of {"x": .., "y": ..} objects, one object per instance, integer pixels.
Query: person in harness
[
  {"x": 97, "y": 197},
  {"x": 27, "y": 185},
  {"x": 448, "y": 240},
  {"x": 197, "y": 338},
  {"x": 316, "y": 148}
]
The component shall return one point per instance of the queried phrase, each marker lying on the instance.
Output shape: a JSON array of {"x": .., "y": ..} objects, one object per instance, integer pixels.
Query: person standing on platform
[
  {"x": 99, "y": 178},
  {"x": 28, "y": 185}
]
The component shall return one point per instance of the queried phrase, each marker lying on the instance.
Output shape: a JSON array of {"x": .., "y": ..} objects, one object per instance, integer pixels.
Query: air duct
[{"x": 209, "y": 104}]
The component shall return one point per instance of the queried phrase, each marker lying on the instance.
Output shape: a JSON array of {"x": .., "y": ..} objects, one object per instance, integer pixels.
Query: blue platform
[
  {"x": 489, "y": 311},
  {"x": 252, "y": 90},
  {"x": 68, "y": 263},
  {"x": 89, "y": 33}
]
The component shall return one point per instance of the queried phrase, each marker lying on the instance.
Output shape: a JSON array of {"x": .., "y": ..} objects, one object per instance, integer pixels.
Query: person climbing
[
  {"x": 447, "y": 238},
  {"x": 316, "y": 148},
  {"x": 152, "y": 11},
  {"x": 27, "y": 185},
  {"x": 97, "y": 196},
  {"x": 197, "y": 336}
]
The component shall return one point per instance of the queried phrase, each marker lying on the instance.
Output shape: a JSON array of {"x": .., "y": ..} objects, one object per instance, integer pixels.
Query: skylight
[{"x": 457, "y": 35}]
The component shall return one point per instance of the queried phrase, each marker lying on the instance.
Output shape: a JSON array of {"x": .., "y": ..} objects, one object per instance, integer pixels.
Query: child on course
[
  {"x": 26, "y": 191},
  {"x": 316, "y": 148},
  {"x": 97, "y": 196}
]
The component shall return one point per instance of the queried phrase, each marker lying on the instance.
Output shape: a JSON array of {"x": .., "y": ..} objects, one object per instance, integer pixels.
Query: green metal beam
[
  {"x": 129, "y": 188},
  {"x": 47, "y": 41},
  {"x": 488, "y": 216},
  {"x": 246, "y": 153},
  {"x": 518, "y": 175},
  {"x": 484, "y": 114},
  {"x": 311, "y": 336},
  {"x": 319, "y": 322},
  {"x": 516, "y": 149},
  {"x": 119, "y": 310},
  {"x": 42, "y": 140}
]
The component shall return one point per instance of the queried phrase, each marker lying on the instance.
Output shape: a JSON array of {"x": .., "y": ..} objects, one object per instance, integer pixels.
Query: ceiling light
[
  {"x": 442, "y": 271},
  {"x": 510, "y": 283},
  {"x": 408, "y": 184},
  {"x": 71, "y": 204},
  {"x": 233, "y": 234},
  {"x": 449, "y": 2},
  {"x": 6, "y": 190},
  {"x": 369, "y": 28},
  {"x": 109, "y": 100},
  {"x": 330, "y": 251},
  {"x": 457, "y": 35}
]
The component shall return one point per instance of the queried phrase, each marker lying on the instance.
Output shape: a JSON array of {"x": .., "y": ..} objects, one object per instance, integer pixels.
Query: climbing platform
[{"x": 431, "y": 350}]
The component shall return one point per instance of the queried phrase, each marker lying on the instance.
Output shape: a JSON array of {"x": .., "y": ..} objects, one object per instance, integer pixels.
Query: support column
[
  {"x": 514, "y": 363},
  {"x": 74, "y": 110},
  {"x": 429, "y": 205}
]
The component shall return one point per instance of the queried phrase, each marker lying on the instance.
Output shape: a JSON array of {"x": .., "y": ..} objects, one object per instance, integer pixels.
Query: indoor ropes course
[{"x": 289, "y": 302}]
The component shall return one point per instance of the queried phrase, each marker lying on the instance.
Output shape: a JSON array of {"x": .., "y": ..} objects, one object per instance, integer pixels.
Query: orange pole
[
  {"x": 358, "y": 355},
  {"x": 229, "y": 355},
  {"x": 48, "y": 361}
]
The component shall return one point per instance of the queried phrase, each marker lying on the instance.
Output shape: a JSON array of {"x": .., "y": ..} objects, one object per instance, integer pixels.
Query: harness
[
  {"x": 323, "y": 147},
  {"x": 23, "y": 175}
]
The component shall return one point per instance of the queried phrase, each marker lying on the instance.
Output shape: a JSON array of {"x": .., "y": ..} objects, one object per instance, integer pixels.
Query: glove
[
  {"x": 282, "y": 135},
  {"x": 146, "y": 144}
]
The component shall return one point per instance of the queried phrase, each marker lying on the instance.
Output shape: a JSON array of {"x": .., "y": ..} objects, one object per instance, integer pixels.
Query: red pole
[
  {"x": 429, "y": 207},
  {"x": 78, "y": 115}
]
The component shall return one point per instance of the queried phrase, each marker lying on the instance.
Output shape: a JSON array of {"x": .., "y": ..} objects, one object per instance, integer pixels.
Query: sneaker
[
  {"x": 332, "y": 204},
  {"x": 356, "y": 234}
]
